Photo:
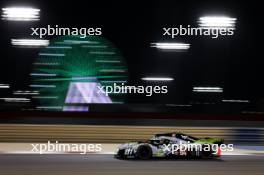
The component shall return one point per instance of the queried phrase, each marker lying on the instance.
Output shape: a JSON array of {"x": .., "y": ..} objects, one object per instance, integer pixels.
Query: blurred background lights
[
  {"x": 207, "y": 89},
  {"x": 18, "y": 100},
  {"x": 171, "y": 46},
  {"x": 236, "y": 101},
  {"x": 29, "y": 42},
  {"x": 20, "y": 14},
  {"x": 4, "y": 86},
  {"x": 217, "y": 22},
  {"x": 157, "y": 79}
]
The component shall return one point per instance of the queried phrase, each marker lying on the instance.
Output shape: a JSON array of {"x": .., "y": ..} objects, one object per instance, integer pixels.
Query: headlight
[{"x": 116, "y": 150}]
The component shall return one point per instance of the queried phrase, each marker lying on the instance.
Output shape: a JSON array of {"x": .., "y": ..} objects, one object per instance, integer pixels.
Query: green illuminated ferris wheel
[{"x": 69, "y": 70}]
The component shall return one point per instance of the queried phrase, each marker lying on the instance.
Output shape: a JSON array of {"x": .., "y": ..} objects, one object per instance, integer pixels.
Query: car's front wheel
[{"x": 144, "y": 152}]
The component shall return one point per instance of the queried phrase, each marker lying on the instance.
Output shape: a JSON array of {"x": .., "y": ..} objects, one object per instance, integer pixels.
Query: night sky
[{"x": 233, "y": 63}]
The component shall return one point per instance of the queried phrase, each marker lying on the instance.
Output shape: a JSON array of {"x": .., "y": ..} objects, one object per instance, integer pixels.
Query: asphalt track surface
[{"x": 105, "y": 164}]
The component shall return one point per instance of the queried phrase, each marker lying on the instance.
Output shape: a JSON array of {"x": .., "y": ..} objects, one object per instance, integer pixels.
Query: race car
[{"x": 170, "y": 145}]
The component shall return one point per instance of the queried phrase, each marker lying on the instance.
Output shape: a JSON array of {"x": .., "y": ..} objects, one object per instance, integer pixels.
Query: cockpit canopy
[{"x": 172, "y": 137}]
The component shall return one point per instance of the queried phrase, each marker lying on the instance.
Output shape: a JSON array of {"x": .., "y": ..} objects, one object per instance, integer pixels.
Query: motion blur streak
[
  {"x": 217, "y": 22},
  {"x": 20, "y": 14},
  {"x": 29, "y": 42},
  {"x": 47, "y": 64},
  {"x": 16, "y": 99},
  {"x": 49, "y": 107},
  {"x": 236, "y": 101},
  {"x": 112, "y": 70},
  {"x": 59, "y": 47},
  {"x": 50, "y": 97},
  {"x": 25, "y": 92},
  {"x": 43, "y": 75},
  {"x": 78, "y": 42},
  {"x": 42, "y": 86},
  {"x": 171, "y": 46},
  {"x": 207, "y": 89},
  {"x": 52, "y": 54},
  {"x": 157, "y": 79},
  {"x": 107, "y": 165},
  {"x": 107, "y": 61},
  {"x": 4, "y": 86},
  {"x": 103, "y": 53},
  {"x": 120, "y": 134}
]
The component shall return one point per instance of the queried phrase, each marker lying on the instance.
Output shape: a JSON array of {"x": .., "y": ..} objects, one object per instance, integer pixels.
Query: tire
[
  {"x": 120, "y": 154},
  {"x": 207, "y": 154},
  {"x": 144, "y": 152}
]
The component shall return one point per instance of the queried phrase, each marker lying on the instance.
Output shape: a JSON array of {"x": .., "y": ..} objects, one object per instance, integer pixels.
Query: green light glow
[{"x": 74, "y": 59}]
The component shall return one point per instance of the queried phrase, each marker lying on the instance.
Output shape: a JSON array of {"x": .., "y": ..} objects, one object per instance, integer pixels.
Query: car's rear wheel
[
  {"x": 144, "y": 152},
  {"x": 206, "y": 153}
]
